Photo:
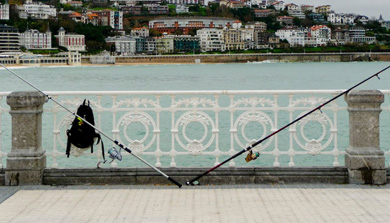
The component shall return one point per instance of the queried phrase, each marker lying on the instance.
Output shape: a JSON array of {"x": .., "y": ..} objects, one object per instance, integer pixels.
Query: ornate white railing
[{"x": 200, "y": 128}]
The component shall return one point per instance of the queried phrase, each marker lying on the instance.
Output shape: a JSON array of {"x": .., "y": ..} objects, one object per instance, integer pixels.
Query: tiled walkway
[{"x": 241, "y": 203}]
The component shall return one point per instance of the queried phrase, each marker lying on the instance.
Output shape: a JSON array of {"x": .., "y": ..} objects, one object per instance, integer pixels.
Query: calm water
[{"x": 249, "y": 76}]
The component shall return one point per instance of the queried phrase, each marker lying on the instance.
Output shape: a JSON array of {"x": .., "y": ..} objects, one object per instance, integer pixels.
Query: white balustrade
[{"x": 201, "y": 128}]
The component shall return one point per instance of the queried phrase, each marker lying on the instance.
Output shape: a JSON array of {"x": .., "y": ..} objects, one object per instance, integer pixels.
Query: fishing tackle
[
  {"x": 249, "y": 148},
  {"x": 113, "y": 153},
  {"x": 252, "y": 156}
]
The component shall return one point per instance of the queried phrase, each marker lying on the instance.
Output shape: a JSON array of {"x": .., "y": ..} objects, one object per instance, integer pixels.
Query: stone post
[
  {"x": 27, "y": 159},
  {"x": 364, "y": 158}
]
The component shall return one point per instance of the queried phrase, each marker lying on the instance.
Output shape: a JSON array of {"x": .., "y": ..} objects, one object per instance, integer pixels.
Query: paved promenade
[{"x": 238, "y": 203}]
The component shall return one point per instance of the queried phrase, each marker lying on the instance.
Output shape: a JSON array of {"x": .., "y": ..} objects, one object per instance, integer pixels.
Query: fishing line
[
  {"x": 113, "y": 152},
  {"x": 249, "y": 148}
]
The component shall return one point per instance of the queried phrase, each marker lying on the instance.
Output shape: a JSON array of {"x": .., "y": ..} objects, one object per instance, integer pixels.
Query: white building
[
  {"x": 358, "y": 35},
  {"x": 211, "y": 39},
  {"x": 73, "y": 42},
  {"x": 278, "y": 5},
  {"x": 294, "y": 36},
  {"x": 183, "y": 2},
  {"x": 182, "y": 9},
  {"x": 347, "y": 19},
  {"x": 4, "y": 11},
  {"x": 141, "y": 32},
  {"x": 321, "y": 33},
  {"x": 33, "y": 39},
  {"x": 36, "y": 10},
  {"x": 124, "y": 45},
  {"x": 292, "y": 7}
]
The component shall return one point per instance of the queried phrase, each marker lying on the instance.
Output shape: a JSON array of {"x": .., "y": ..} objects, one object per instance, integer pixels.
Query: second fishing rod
[
  {"x": 98, "y": 130},
  {"x": 194, "y": 181}
]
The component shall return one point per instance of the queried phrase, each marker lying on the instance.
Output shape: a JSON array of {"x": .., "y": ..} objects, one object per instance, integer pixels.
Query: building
[
  {"x": 33, "y": 39},
  {"x": 273, "y": 41},
  {"x": 9, "y": 37},
  {"x": 4, "y": 11},
  {"x": 165, "y": 44},
  {"x": 341, "y": 35},
  {"x": 124, "y": 45},
  {"x": 73, "y": 42},
  {"x": 111, "y": 18},
  {"x": 292, "y": 7},
  {"x": 36, "y": 10},
  {"x": 150, "y": 45},
  {"x": 211, "y": 39},
  {"x": 256, "y": 26},
  {"x": 285, "y": 20},
  {"x": 186, "y": 43},
  {"x": 323, "y": 9},
  {"x": 170, "y": 25},
  {"x": 262, "y": 13},
  {"x": 141, "y": 32},
  {"x": 182, "y": 9},
  {"x": 299, "y": 14},
  {"x": 155, "y": 9},
  {"x": 133, "y": 9},
  {"x": 279, "y": 5},
  {"x": 75, "y": 16},
  {"x": 75, "y": 3},
  {"x": 321, "y": 34},
  {"x": 307, "y": 8},
  {"x": 358, "y": 35},
  {"x": 340, "y": 19},
  {"x": 294, "y": 36},
  {"x": 237, "y": 39},
  {"x": 317, "y": 17},
  {"x": 183, "y": 2},
  {"x": 90, "y": 17}
]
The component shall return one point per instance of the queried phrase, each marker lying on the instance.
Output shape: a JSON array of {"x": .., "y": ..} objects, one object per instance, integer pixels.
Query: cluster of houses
[{"x": 208, "y": 33}]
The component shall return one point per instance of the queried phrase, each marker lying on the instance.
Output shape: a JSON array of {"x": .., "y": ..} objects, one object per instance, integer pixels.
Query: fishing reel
[
  {"x": 252, "y": 156},
  {"x": 114, "y": 155}
]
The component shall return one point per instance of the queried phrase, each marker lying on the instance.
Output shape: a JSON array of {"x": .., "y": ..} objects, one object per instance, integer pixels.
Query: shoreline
[{"x": 225, "y": 58}]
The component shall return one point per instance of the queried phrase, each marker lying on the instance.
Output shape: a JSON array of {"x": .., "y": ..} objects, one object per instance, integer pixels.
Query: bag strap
[
  {"x": 102, "y": 146},
  {"x": 68, "y": 143}
]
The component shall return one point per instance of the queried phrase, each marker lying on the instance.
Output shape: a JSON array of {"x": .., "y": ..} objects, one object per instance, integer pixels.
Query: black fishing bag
[{"x": 81, "y": 134}]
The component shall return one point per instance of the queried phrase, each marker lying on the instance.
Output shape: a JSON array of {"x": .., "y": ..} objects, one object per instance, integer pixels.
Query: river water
[{"x": 246, "y": 76}]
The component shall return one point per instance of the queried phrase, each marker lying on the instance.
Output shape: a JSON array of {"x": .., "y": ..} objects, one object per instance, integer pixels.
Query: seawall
[{"x": 244, "y": 58}]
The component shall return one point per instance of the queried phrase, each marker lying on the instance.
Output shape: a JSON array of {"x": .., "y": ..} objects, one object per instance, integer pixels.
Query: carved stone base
[
  {"x": 25, "y": 170},
  {"x": 367, "y": 167}
]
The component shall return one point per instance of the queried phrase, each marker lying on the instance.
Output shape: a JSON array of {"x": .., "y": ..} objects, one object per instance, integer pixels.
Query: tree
[{"x": 297, "y": 21}]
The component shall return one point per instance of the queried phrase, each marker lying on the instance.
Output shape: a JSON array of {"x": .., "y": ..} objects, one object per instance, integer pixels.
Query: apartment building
[
  {"x": 4, "y": 11},
  {"x": 36, "y": 10},
  {"x": 33, "y": 39},
  {"x": 124, "y": 45},
  {"x": 9, "y": 39},
  {"x": 73, "y": 42},
  {"x": 170, "y": 25},
  {"x": 211, "y": 39}
]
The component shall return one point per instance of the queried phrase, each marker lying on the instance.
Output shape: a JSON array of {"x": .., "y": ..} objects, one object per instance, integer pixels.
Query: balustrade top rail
[{"x": 201, "y": 128}]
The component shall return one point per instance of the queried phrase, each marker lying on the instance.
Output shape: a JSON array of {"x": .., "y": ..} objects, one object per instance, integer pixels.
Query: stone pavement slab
[{"x": 236, "y": 203}]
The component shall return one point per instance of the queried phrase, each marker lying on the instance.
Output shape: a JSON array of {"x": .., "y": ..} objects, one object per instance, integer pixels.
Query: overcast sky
[{"x": 370, "y": 8}]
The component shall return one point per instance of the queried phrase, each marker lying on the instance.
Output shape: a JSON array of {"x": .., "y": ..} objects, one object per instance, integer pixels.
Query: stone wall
[{"x": 243, "y": 58}]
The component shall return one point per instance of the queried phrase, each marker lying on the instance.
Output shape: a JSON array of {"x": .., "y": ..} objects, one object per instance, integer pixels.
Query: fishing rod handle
[{"x": 174, "y": 181}]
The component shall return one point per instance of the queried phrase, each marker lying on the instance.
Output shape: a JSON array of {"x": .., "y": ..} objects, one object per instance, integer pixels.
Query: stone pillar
[
  {"x": 27, "y": 159},
  {"x": 364, "y": 158}
]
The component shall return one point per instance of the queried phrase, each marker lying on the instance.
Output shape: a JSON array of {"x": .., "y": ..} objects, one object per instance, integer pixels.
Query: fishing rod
[
  {"x": 249, "y": 148},
  {"x": 113, "y": 153}
]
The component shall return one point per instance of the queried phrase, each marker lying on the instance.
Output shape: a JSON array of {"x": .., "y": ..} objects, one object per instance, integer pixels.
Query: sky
[{"x": 370, "y": 8}]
